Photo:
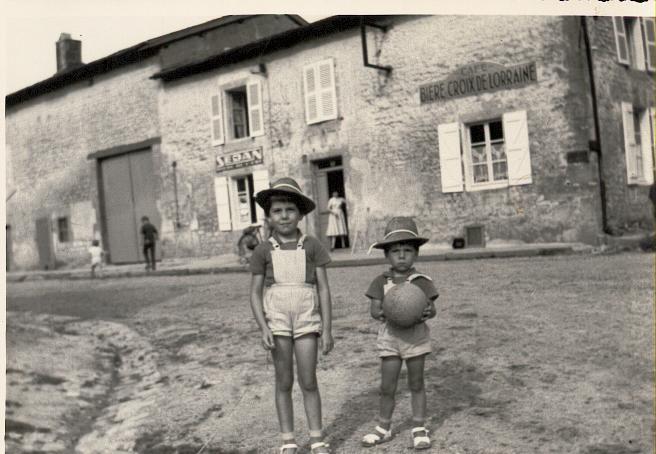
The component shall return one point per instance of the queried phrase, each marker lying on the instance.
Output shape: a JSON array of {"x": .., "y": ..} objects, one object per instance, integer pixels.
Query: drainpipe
[{"x": 596, "y": 145}]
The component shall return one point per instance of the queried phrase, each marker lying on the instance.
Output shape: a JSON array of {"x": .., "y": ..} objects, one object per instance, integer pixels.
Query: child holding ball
[{"x": 395, "y": 344}]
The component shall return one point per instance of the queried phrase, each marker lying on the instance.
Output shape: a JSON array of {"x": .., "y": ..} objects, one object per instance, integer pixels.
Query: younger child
[
  {"x": 290, "y": 299},
  {"x": 401, "y": 245},
  {"x": 96, "y": 257}
]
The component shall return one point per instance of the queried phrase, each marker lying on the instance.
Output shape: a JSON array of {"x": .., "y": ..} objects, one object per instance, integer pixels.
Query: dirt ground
[{"x": 531, "y": 355}]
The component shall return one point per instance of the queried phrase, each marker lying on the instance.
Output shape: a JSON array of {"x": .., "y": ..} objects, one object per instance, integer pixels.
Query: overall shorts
[
  {"x": 291, "y": 306},
  {"x": 403, "y": 342}
]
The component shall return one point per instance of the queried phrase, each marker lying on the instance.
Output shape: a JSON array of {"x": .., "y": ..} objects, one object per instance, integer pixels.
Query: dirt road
[{"x": 539, "y": 355}]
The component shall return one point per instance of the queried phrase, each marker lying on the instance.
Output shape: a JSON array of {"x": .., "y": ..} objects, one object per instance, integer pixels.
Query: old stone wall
[
  {"x": 49, "y": 138},
  {"x": 628, "y": 205}
]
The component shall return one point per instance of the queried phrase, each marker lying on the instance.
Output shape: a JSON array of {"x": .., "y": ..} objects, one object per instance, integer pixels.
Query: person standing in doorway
[
  {"x": 336, "y": 220},
  {"x": 149, "y": 236}
]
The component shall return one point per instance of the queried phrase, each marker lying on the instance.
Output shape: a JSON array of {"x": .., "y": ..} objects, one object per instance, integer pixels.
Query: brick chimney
[{"x": 69, "y": 53}]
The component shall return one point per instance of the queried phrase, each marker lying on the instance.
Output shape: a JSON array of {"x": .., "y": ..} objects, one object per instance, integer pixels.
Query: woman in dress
[{"x": 336, "y": 220}]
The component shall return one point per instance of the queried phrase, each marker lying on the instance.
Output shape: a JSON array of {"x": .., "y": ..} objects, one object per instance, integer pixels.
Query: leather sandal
[
  {"x": 293, "y": 446},
  {"x": 420, "y": 441},
  {"x": 315, "y": 448},
  {"x": 380, "y": 436}
]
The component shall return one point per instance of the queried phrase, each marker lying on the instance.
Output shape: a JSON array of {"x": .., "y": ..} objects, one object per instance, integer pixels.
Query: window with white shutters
[
  {"x": 621, "y": 43},
  {"x": 319, "y": 90},
  {"x": 634, "y": 42},
  {"x": 260, "y": 183},
  {"x": 495, "y": 153},
  {"x": 242, "y": 108}
]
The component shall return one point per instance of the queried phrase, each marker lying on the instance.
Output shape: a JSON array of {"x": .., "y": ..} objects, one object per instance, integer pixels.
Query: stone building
[{"x": 529, "y": 128}]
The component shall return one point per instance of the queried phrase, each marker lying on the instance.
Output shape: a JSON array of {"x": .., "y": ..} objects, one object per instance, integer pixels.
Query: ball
[{"x": 404, "y": 304}]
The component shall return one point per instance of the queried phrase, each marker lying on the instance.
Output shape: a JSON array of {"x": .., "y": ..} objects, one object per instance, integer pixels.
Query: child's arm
[
  {"x": 376, "y": 309},
  {"x": 429, "y": 312},
  {"x": 327, "y": 342},
  {"x": 257, "y": 287}
]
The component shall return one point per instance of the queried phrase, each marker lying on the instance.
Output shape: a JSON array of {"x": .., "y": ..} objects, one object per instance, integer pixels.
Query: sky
[{"x": 32, "y": 27}]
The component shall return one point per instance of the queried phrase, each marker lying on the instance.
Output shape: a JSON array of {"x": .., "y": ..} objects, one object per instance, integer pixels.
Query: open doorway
[{"x": 329, "y": 179}]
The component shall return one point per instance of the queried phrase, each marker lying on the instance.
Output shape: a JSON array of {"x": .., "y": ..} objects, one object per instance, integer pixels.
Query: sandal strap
[
  {"x": 288, "y": 446},
  {"x": 419, "y": 429},
  {"x": 382, "y": 431},
  {"x": 319, "y": 444}
]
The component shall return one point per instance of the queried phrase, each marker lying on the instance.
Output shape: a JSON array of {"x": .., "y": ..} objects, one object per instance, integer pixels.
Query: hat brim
[
  {"x": 304, "y": 203},
  {"x": 400, "y": 238}
]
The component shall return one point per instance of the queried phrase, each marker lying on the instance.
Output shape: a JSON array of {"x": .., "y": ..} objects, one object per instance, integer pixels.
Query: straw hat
[
  {"x": 400, "y": 229},
  {"x": 287, "y": 187}
]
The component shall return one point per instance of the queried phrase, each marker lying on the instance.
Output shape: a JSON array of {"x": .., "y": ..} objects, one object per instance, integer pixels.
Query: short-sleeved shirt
[
  {"x": 96, "y": 254},
  {"x": 376, "y": 289},
  {"x": 315, "y": 255},
  {"x": 149, "y": 232}
]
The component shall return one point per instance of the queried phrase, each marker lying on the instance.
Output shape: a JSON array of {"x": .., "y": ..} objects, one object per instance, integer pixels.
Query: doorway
[
  {"x": 128, "y": 191},
  {"x": 44, "y": 244},
  {"x": 329, "y": 178}
]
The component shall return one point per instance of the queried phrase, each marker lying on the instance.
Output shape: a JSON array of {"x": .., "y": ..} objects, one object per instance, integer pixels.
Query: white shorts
[{"x": 292, "y": 310}]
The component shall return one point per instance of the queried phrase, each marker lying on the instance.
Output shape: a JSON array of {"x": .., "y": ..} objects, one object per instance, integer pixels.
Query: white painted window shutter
[
  {"x": 448, "y": 136},
  {"x": 650, "y": 42},
  {"x": 222, "y": 195},
  {"x": 518, "y": 153},
  {"x": 629, "y": 142},
  {"x": 310, "y": 89},
  {"x": 621, "y": 43},
  {"x": 216, "y": 119},
  {"x": 255, "y": 117},
  {"x": 646, "y": 147},
  {"x": 638, "y": 46},
  {"x": 327, "y": 93},
  {"x": 260, "y": 183},
  {"x": 319, "y": 90}
]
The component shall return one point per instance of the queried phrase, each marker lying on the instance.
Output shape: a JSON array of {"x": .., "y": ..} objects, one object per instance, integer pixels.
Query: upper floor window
[
  {"x": 236, "y": 113},
  {"x": 634, "y": 42},
  {"x": 319, "y": 89},
  {"x": 487, "y": 151}
]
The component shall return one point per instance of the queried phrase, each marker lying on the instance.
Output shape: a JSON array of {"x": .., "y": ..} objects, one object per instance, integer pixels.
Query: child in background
[
  {"x": 149, "y": 235},
  {"x": 290, "y": 299},
  {"x": 395, "y": 345},
  {"x": 96, "y": 257}
]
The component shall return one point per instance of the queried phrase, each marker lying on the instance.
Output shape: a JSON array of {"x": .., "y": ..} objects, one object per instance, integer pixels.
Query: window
[
  {"x": 488, "y": 153},
  {"x": 638, "y": 144},
  {"x": 62, "y": 230},
  {"x": 319, "y": 89},
  {"x": 493, "y": 154},
  {"x": 634, "y": 41},
  {"x": 237, "y": 112},
  {"x": 235, "y": 199}
]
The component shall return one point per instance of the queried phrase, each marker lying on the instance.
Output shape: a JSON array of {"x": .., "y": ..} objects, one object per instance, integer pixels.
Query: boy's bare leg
[
  {"x": 283, "y": 363},
  {"x": 418, "y": 391},
  {"x": 306, "y": 350},
  {"x": 390, "y": 369}
]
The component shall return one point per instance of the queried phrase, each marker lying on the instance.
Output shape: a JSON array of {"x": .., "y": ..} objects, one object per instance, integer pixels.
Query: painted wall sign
[
  {"x": 479, "y": 78},
  {"x": 238, "y": 159}
]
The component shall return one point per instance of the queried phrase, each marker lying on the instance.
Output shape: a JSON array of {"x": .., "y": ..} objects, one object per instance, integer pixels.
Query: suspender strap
[
  {"x": 273, "y": 242},
  {"x": 276, "y": 245}
]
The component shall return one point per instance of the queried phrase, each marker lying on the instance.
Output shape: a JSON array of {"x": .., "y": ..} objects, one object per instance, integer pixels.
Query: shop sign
[
  {"x": 479, "y": 78},
  {"x": 237, "y": 159}
]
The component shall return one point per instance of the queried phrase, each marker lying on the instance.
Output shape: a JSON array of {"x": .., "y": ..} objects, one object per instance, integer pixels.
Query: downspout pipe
[{"x": 596, "y": 146}]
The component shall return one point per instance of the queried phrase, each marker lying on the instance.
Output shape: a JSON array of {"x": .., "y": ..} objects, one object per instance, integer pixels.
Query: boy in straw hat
[
  {"x": 290, "y": 299},
  {"x": 401, "y": 245}
]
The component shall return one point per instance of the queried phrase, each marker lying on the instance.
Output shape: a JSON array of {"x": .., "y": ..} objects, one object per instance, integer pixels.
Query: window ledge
[{"x": 486, "y": 186}]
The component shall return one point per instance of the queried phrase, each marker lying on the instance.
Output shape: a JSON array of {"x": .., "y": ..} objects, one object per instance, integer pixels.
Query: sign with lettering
[
  {"x": 238, "y": 159},
  {"x": 479, "y": 78}
]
